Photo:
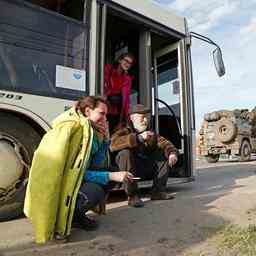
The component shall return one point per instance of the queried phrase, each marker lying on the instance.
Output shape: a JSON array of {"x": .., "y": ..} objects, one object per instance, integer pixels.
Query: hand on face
[{"x": 102, "y": 127}]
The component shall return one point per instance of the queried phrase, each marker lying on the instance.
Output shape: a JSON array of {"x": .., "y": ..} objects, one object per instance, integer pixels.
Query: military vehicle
[{"x": 228, "y": 132}]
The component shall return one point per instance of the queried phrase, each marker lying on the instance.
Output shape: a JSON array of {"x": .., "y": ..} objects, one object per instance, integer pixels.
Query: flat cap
[{"x": 138, "y": 108}]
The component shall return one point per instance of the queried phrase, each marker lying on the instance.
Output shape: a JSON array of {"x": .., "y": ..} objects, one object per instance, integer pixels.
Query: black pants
[
  {"x": 113, "y": 122},
  {"x": 148, "y": 166},
  {"x": 89, "y": 196}
]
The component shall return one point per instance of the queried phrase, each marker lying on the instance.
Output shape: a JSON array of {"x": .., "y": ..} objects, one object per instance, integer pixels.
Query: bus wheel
[
  {"x": 245, "y": 151},
  {"x": 18, "y": 141},
  {"x": 212, "y": 158}
]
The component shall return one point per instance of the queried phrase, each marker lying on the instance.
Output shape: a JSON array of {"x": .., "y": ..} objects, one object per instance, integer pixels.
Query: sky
[{"x": 232, "y": 25}]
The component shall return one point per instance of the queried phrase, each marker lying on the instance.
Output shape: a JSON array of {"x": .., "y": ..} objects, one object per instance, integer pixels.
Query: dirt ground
[{"x": 223, "y": 194}]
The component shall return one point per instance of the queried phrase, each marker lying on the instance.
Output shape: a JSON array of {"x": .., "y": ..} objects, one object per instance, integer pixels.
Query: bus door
[{"x": 170, "y": 103}]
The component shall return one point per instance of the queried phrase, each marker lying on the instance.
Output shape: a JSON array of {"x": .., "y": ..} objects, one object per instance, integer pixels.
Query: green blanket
[{"x": 56, "y": 175}]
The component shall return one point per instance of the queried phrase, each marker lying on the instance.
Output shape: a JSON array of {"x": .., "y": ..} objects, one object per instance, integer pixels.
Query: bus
[{"x": 53, "y": 51}]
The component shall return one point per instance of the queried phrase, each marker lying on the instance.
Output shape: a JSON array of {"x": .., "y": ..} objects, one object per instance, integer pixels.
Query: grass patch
[
  {"x": 211, "y": 231},
  {"x": 234, "y": 240}
]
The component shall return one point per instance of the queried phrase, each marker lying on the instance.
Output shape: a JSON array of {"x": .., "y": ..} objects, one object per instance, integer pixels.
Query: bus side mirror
[{"x": 218, "y": 62}]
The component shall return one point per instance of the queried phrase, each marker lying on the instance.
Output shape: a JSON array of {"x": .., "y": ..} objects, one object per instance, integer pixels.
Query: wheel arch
[
  {"x": 246, "y": 139},
  {"x": 34, "y": 120},
  {"x": 17, "y": 124}
]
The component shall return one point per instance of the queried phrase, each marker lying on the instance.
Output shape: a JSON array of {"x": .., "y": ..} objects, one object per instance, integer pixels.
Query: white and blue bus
[{"x": 53, "y": 51}]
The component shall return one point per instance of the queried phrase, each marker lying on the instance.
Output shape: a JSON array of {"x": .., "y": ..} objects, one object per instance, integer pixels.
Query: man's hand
[
  {"x": 172, "y": 159},
  {"x": 120, "y": 176},
  {"x": 147, "y": 135}
]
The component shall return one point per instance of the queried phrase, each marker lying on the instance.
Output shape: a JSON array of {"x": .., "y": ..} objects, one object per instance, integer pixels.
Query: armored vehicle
[{"x": 228, "y": 132}]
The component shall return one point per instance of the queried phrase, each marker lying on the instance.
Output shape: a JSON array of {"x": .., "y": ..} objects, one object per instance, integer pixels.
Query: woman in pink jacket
[{"x": 117, "y": 89}]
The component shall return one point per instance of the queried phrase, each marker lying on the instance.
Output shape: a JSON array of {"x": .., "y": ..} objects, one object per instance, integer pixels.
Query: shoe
[
  {"x": 87, "y": 223},
  {"x": 60, "y": 238},
  {"x": 135, "y": 201},
  {"x": 161, "y": 196}
]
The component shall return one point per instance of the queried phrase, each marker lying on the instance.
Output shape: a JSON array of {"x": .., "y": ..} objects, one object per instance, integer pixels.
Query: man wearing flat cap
[{"x": 145, "y": 154}]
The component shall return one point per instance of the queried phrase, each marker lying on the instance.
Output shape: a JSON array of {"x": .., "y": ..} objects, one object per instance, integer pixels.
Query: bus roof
[{"x": 154, "y": 12}]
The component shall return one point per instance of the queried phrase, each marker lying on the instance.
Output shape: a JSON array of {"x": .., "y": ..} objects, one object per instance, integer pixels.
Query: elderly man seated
[{"x": 145, "y": 154}]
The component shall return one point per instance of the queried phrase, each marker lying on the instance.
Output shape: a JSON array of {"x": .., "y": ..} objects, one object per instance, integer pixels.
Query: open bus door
[
  {"x": 173, "y": 106},
  {"x": 166, "y": 53}
]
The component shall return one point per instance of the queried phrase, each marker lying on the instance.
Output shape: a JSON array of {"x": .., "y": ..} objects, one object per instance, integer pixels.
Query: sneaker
[
  {"x": 135, "y": 201},
  {"x": 161, "y": 196},
  {"x": 87, "y": 223}
]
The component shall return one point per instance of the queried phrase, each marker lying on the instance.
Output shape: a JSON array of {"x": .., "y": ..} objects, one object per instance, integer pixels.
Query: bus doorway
[
  {"x": 122, "y": 36},
  {"x": 156, "y": 77},
  {"x": 125, "y": 35}
]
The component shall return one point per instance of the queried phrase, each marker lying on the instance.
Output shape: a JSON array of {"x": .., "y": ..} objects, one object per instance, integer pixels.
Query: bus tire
[
  {"x": 245, "y": 151},
  {"x": 16, "y": 133},
  {"x": 212, "y": 158}
]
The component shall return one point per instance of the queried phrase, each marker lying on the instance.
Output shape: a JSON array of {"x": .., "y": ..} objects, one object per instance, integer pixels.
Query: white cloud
[
  {"x": 182, "y": 5},
  {"x": 204, "y": 15},
  {"x": 202, "y": 27},
  {"x": 250, "y": 28},
  {"x": 232, "y": 24},
  {"x": 222, "y": 11},
  {"x": 248, "y": 32}
]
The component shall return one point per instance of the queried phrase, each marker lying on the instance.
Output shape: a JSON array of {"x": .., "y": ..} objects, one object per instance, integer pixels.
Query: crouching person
[
  {"x": 98, "y": 180},
  {"x": 144, "y": 154},
  {"x": 58, "y": 187}
]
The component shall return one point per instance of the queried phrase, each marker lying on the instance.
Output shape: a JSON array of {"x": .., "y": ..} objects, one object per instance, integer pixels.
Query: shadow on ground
[{"x": 161, "y": 227}]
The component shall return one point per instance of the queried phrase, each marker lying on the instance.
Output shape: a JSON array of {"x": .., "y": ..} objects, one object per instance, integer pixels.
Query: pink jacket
[{"x": 115, "y": 83}]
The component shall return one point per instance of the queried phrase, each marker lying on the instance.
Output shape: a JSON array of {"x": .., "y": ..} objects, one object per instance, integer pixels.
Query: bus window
[
  {"x": 168, "y": 91},
  {"x": 71, "y": 8},
  {"x": 36, "y": 43},
  {"x": 170, "y": 104}
]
